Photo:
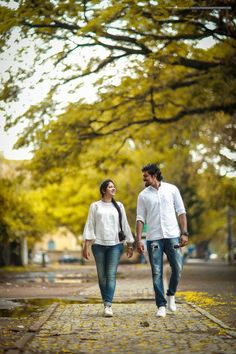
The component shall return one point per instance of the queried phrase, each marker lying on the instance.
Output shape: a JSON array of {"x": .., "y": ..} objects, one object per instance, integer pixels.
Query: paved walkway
[{"x": 80, "y": 328}]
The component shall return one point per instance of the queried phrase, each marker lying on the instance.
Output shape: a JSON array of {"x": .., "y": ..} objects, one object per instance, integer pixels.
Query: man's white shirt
[{"x": 158, "y": 208}]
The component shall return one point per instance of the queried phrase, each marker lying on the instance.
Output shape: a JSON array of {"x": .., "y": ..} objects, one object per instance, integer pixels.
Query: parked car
[{"x": 67, "y": 258}]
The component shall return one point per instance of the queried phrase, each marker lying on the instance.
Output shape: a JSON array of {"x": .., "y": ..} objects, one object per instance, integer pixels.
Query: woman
[{"x": 101, "y": 231}]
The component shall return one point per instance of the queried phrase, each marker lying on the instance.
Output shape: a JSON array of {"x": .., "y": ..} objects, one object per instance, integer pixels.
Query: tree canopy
[{"x": 149, "y": 59}]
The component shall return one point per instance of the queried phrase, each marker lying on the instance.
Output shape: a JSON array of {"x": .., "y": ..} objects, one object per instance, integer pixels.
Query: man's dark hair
[{"x": 153, "y": 170}]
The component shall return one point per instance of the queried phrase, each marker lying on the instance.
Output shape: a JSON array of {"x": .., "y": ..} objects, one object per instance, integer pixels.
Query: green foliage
[
  {"x": 66, "y": 203},
  {"x": 8, "y": 19},
  {"x": 21, "y": 213},
  {"x": 17, "y": 217}
]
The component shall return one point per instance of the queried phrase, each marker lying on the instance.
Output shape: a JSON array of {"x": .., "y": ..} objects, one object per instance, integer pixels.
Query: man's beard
[{"x": 147, "y": 184}]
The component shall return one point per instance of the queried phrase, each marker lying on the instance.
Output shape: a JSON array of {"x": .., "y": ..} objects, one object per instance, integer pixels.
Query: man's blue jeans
[
  {"x": 156, "y": 250},
  {"x": 107, "y": 259}
]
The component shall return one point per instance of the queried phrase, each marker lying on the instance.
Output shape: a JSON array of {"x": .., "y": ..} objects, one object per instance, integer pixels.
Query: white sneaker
[
  {"x": 161, "y": 312},
  {"x": 107, "y": 311},
  {"x": 171, "y": 305}
]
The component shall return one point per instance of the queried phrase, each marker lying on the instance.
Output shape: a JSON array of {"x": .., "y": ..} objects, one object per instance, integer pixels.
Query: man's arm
[
  {"x": 139, "y": 230},
  {"x": 184, "y": 229}
]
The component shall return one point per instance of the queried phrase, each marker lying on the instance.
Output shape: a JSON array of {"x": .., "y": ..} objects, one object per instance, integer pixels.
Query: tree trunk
[{"x": 230, "y": 235}]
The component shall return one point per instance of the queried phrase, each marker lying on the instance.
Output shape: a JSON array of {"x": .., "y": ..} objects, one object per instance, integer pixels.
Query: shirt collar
[{"x": 154, "y": 189}]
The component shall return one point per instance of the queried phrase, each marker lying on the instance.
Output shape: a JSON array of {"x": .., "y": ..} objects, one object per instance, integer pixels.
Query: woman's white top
[{"x": 102, "y": 225}]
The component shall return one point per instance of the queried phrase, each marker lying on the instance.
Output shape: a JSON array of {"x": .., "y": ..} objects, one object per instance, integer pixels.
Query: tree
[
  {"x": 20, "y": 216},
  {"x": 167, "y": 77}
]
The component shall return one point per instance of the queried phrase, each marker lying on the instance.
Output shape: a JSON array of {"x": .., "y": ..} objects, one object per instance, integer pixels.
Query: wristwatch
[{"x": 184, "y": 233}]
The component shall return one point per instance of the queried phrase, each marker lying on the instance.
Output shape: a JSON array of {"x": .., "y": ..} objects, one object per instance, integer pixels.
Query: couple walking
[{"x": 157, "y": 206}]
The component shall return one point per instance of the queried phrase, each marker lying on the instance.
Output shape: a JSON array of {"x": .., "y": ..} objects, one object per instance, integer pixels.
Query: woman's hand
[
  {"x": 129, "y": 251},
  {"x": 86, "y": 250}
]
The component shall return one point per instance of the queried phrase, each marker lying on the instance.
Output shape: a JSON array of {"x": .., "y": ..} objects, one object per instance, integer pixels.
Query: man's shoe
[
  {"x": 161, "y": 312},
  {"x": 108, "y": 311},
  {"x": 171, "y": 303}
]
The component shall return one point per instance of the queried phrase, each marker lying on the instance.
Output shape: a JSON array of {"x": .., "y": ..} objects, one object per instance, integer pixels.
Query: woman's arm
[
  {"x": 89, "y": 228},
  {"x": 89, "y": 232}
]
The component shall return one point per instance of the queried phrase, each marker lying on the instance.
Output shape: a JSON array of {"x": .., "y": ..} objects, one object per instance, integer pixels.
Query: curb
[
  {"x": 33, "y": 329},
  {"x": 227, "y": 329}
]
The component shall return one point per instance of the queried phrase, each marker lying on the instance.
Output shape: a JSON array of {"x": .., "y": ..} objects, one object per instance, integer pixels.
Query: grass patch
[{"x": 28, "y": 268}]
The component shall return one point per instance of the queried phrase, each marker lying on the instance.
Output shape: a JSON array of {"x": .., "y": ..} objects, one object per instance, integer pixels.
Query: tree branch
[
  {"x": 186, "y": 112},
  {"x": 128, "y": 50},
  {"x": 56, "y": 24},
  {"x": 196, "y": 64},
  {"x": 127, "y": 39}
]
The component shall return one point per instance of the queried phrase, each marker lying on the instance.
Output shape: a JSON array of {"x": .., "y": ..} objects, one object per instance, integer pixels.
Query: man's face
[{"x": 148, "y": 179}]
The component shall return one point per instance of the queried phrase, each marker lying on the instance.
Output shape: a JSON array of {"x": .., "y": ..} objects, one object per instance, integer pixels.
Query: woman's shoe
[
  {"x": 107, "y": 311},
  {"x": 161, "y": 312}
]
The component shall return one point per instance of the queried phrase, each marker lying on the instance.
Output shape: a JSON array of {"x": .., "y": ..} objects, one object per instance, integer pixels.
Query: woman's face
[{"x": 110, "y": 191}]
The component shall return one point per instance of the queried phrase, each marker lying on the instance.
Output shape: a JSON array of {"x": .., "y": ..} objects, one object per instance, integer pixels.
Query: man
[{"x": 157, "y": 206}]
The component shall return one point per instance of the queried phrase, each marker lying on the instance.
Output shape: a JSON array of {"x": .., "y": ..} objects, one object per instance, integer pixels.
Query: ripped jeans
[{"x": 156, "y": 250}]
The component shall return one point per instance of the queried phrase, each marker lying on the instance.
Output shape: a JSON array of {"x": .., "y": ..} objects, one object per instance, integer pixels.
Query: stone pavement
[{"x": 80, "y": 327}]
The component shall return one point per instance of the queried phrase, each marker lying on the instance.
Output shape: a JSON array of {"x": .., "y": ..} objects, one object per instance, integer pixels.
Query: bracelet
[{"x": 184, "y": 233}]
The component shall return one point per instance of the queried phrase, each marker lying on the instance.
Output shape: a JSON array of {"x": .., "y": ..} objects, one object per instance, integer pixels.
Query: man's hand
[
  {"x": 140, "y": 247},
  {"x": 183, "y": 240}
]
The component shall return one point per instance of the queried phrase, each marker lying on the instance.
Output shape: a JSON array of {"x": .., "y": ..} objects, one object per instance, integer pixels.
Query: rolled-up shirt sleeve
[
  {"x": 178, "y": 202},
  {"x": 89, "y": 229},
  {"x": 125, "y": 225},
  {"x": 141, "y": 210}
]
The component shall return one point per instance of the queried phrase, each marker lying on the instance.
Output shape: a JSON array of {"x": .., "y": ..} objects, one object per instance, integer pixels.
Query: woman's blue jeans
[
  {"x": 107, "y": 259},
  {"x": 156, "y": 250}
]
